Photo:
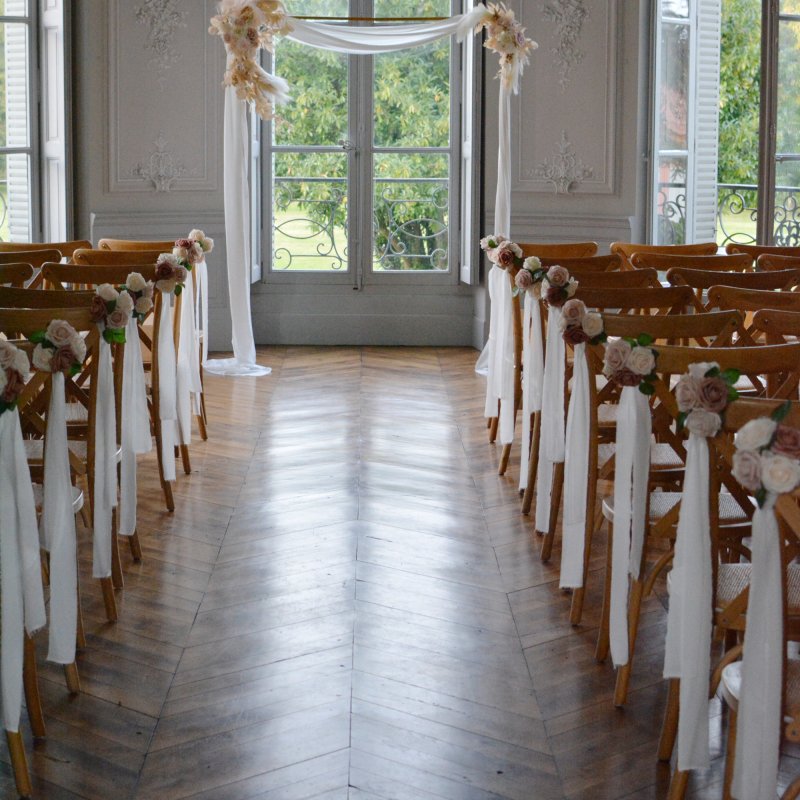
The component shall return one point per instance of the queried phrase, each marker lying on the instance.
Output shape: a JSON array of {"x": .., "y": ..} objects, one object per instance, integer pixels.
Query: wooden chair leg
[
  {"x": 30, "y": 679},
  {"x": 187, "y": 464},
  {"x": 493, "y": 422},
  {"x": 504, "y": 457},
  {"x": 166, "y": 485},
  {"x": 136, "y": 546},
  {"x": 116, "y": 563},
  {"x": 678, "y": 785},
  {"x": 109, "y": 600},
  {"x": 792, "y": 791},
  {"x": 201, "y": 427},
  {"x": 669, "y": 727},
  {"x": 603, "y": 634},
  {"x": 730, "y": 754},
  {"x": 527, "y": 498},
  {"x": 45, "y": 559},
  {"x": 72, "y": 677},
  {"x": 19, "y": 763},
  {"x": 555, "y": 503},
  {"x": 624, "y": 672}
]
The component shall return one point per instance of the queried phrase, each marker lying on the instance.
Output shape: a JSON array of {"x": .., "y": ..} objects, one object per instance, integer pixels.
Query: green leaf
[
  {"x": 645, "y": 339},
  {"x": 178, "y": 289},
  {"x": 712, "y": 373},
  {"x": 647, "y": 388},
  {"x": 779, "y": 414},
  {"x": 38, "y": 337},
  {"x": 74, "y": 369},
  {"x": 732, "y": 394},
  {"x": 761, "y": 497},
  {"x": 681, "y": 420},
  {"x": 731, "y": 376}
]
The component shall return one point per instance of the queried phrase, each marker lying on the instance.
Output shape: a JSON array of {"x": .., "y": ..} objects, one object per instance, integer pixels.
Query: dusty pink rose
[
  {"x": 184, "y": 243},
  {"x": 554, "y": 296},
  {"x": 557, "y": 275},
  {"x": 787, "y": 441},
  {"x": 713, "y": 394},
  {"x": 572, "y": 312},
  {"x": 165, "y": 270},
  {"x": 59, "y": 332},
  {"x": 181, "y": 274},
  {"x": 747, "y": 469},
  {"x": 626, "y": 377},
  {"x": 63, "y": 359},
  {"x": 117, "y": 319},
  {"x": 617, "y": 352},
  {"x": 703, "y": 423},
  {"x": 14, "y": 385},
  {"x": 98, "y": 310},
  {"x": 575, "y": 334},
  {"x": 686, "y": 393},
  {"x": 504, "y": 256},
  {"x": 196, "y": 254},
  {"x": 523, "y": 280}
]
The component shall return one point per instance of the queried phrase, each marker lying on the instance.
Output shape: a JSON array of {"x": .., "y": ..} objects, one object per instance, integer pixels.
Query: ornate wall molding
[
  {"x": 568, "y": 17},
  {"x": 162, "y": 18},
  {"x": 563, "y": 170},
  {"x": 160, "y": 169}
]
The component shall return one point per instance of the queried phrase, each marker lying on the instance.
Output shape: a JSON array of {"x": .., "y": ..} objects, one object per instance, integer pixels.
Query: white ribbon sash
[
  {"x": 755, "y": 774},
  {"x": 21, "y": 598},
  {"x": 188, "y": 364},
  {"x": 58, "y": 530},
  {"x": 167, "y": 402},
  {"x": 105, "y": 464},
  {"x": 201, "y": 312},
  {"x": 576, "y": 474},
  {"x": 135, "y": 434},
  {"x": 500, "y": 381},
  {"x": 532, "y": 376},
  {"x": 551, "y": 447},
  {"x": 690, "y": 615},
  {"x": 630, "y": 507}
]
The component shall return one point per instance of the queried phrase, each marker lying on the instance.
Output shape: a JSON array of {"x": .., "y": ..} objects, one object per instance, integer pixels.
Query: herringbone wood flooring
[{"x": 347, "y": 603}]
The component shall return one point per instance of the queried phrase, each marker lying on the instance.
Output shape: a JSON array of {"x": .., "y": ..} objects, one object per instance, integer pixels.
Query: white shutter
[
  {"x": 706, "y": 122},
  {"x": 54, "y": 122},
  {"x": 17, "y": 133},
  {"x": 470, "y": 161}
]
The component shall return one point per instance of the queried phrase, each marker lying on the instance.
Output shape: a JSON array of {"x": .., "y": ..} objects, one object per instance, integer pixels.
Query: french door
[{"x": 360, "y": 178}]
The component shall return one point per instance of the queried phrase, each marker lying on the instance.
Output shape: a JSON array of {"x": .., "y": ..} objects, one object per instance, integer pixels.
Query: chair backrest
[
  {"x": 733, "y": 297},
  {"x": 714, "y": 329},
  {"x": 705, "y": 279},
  {"x": 666, "y": 261},
  {"x": 769, "y": 261},
  {"x": 627, "y": 249},
  {"x": 776, "y": 326},
  {"x": 668, "y": 300},
  {"x": 61, "y": 276},
  {"x": 756, "y": 250},
  {"x": 134, "y": 244},
  {"x": 35, "y": 298},
  {"x": 15, "y": 274},
  {"x": 34, "y": 258},
  {"x": 586, "y": 264},
  {"x": 619, "y": 279},
  {"x": 66, "y": 249},
  {"x": 558, "y": 249},
  {"x": 115, "y": 258}
]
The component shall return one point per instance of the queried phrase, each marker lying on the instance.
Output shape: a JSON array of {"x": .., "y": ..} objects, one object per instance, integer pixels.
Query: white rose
[
  {"x": 700, "y": 369},
  {"x": 755, "y": 434},
  {"x": 135, "y": 282},
  {"x": 21, "y": 363},
  {"x": 181, "y": 253},
  {"x": 125, "y": 302},
  {"x": 571, "y": 287},
  {"x": 779, "y": 474},
  {"x": 207, "y": 243},
  {"x": 78, "y": 347},
  {"x": 3, "y": 381},
  {"x": 641, "y": 360},
  {"x": 703, "y": 423},
  {"x": 532, "y": 263},
  {"x": 107, "y": 292},
  {"x": 59, "y": 332},
  {"x": 196, "y": 234},
  {"x": 592, "y": 324},
  {"x": 166, "y": 286},
  {"x": 515, "y": 249},
  {"x": 143, "y": 305},
  {"x": 42, "y": 356}
]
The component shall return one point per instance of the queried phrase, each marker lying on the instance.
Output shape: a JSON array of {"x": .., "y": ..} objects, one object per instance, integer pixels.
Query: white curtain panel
[{"x": 532, "y": 374}]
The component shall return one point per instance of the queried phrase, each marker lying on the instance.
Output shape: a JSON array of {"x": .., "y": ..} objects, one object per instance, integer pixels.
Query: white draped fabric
[
  {"x": 500, "y": 377},
  {"x": 532, "y": 374},
  {"x": 690, "y": 616},
  {"x": 135, "y": 435},
  {"x": 342, "y": 39},
  {"x": 167, "y": 401},
  {"x": 755, "y": 774},
  {"x": 21, "y": 598},
  {"x": 576, "y": 474},
  {"x": 58, "y": 530},
  {"x": 188, "y": 363},
  {"x": 551, "y": 441},
  {"x": 630, "y": 507},
  {"x": 201, "y": 313}
]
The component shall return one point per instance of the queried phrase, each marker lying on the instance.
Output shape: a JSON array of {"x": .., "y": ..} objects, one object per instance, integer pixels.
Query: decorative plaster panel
[
  {"x": 163, "y": 139},
  {"x": 565, "y": 126}
]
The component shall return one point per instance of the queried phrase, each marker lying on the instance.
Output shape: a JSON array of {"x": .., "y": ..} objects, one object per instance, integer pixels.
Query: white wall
[{"x": 148, "y": 101}]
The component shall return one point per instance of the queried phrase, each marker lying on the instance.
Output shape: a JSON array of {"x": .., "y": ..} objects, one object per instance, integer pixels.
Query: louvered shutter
[{"x": 17, "y": 131}]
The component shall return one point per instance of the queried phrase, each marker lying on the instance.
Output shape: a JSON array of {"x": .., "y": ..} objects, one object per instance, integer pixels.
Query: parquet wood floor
[{"x": 347, "y": 603}]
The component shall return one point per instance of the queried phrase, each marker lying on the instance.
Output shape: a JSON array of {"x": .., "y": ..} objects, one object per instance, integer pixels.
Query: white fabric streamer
[
  {"x": 201, "y": 317},
  {"x": 135, "y": 434},
  {"x": 105, "y": 464},
  {"x": 630, "y": 507},
  {"x": 21, "y": 597},
  {"x": 532, "y": 377},
  {"x": 58, "y": 530},
  {"x": 188, "y": 364},
  {"x": 690, "y": 616},
  {"x": 167, "y": 402},
  {"x": 576, "y": 474},
  {"x": 755, "y": 774},
  {"x": 551, "y": 440},
  {"x": 500, "y": 379}
]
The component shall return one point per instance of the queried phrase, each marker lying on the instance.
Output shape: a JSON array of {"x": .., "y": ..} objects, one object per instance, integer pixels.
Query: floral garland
[
  {"x": 170, "y": 274},
  {"x": 579, "y": 325},
  {"x": 702, "y": 395},
  {"x": 631, "y": 362},
  {"x": 142, "y": 293},
  {"x": 58, "y": 349},
  {"x": 247, "y": 27},
  {"x": 112, "y": 308},
  {"x": 558, "y": 286},
  {"x": 14, "y": 369},
  {"x": 767, "y": 453},
  {"x": 192, "y": 250},
  {"x": 505, "y": 36},
  {"x": 530, "y": 277}
]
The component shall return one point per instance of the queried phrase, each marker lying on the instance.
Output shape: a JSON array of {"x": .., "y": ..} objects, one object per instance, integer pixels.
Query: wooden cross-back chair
[
  {"x": 66, "y": 249},
  {"x": 769, "y": 261},
  {"x": 591, "y": 263},
  {"x": 627, "y": 249},
  {"x": 33, "y": 258},
  {"x": 618, "y": 279},
  {"x": 666, "y": 261},
  {"x": 15, "y": 274},
  {"x": 667, "y": 453},
  {"x": 60, "y": 276},
  {"x": 116, "y": 258},
  {"x": 82, "y": 459},
  {"x": 732, "y": 516},
  {"x": 757, "y": 250},
  {"x": 162, "y": 245}
]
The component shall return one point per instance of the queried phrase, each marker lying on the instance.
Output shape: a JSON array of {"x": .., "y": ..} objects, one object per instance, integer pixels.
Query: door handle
[{"x": 346, "y": 145}]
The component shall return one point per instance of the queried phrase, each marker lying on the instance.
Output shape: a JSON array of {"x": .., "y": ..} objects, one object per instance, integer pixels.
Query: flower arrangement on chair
[
  {"x": 112, "y": 308},
  {"x": 579, "y": 325},
  {"x": 192, "y": 250},
  {"x": 142, "y": 293},
  {"x": 170, "y": 274},
  {"x": 702, "y": 395},
  {"x": 60, "y": 348},
  {"x": 631, "y": 362},
  {"x": 14, "y": 369}
]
